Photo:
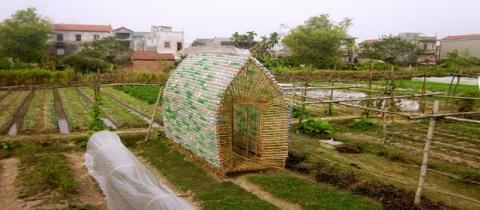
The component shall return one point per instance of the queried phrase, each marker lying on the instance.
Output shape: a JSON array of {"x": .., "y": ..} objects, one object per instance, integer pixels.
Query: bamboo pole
[
  {"x": 330, "y": 111},
  {"x": 422, "y": 104},
  {"x": 154, "y": 113},
  {"x": 392, "y": 99},
  {"x": 304, "y": 94},
  {"x": 369, "y": 103},
  {"x": 384, "y": 117},
  {"x": 426, "y": 151}
]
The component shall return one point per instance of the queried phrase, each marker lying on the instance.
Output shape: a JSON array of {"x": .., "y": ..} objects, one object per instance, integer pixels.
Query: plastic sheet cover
[{"x": 125, "y": 182}]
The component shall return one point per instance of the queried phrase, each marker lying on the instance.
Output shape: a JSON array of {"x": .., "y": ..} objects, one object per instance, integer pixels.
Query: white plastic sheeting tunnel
[{"x": 125, "y": 182}]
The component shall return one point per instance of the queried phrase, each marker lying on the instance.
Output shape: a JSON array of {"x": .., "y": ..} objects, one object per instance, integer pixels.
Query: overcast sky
[{"x": 210, "y": 18}]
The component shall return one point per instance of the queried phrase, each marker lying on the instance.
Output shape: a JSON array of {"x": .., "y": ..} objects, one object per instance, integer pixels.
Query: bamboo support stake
[
  {"x": 426, "y": 151},
  {"x": 154, "y": 113},
  {"x": 392, "y": 100},
  {"x": 304, "y": 94},
  {"x": 422, "y": 104},
  {"x": 367, "y": 112},
  {"x": 330, "y": 105},
  {"x": 384, "y": 117},
  {"x": 293, "y": 93}
]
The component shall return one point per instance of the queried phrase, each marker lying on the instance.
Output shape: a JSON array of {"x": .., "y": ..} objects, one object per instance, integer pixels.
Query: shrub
[
  {"x": 35, "y": 77},
  {"x": 317, "y": 126},
  {"x": 296, "y": 112},
  {"x": 362, "y": 125},
  {"x": 467, "y": 105},
  {"x": 84, "y": 64}
]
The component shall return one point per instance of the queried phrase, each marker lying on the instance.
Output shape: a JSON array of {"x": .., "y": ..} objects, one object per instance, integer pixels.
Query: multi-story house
[
  {"x": 68, "y": 37},
  {"x": 164, "y": 40},
  {"x": 464, "y": 44},
  {"x": 125, "y": 36},
  {"x": 427, "y": 46},
  {"x": 139, "y": 41}
]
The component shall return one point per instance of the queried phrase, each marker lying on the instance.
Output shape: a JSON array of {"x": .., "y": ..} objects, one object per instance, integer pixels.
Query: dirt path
[
  {"x": 88, "y": 192},
  {"x": 8, "y": 195},
  {"x": 256, "y": 190}
]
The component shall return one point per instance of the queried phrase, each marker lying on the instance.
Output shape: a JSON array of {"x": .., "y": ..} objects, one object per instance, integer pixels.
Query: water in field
[
  {"x": 13, "y": 130},
  {"x": 63, "y": 126},
  {"x": 405, "y": 104},
  {"x": 448, "y": 80},
  {"x": 107, "y": 122}
]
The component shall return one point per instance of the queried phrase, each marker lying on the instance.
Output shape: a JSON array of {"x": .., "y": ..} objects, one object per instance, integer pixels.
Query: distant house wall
[
  {"x": 125, "y": 36},
  {"x": 470, "y": 46},
  {"x": 164, "y": 40},
  {"x": 139, "y": 43}
]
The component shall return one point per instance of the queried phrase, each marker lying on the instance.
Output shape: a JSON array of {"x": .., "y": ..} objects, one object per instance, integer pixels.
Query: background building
[
  {"x": 164, "y": 40},
  {"x": 464, "y": 44},
  {"x": 426, "y": 44},
  {"x": 124, "y": 35},
  {"x": 67, "y": 37}
]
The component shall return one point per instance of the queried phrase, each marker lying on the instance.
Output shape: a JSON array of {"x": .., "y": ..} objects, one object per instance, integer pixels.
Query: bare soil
[
  {"x": 88, "y": 192},
  {"x": 9, "y": 194}
]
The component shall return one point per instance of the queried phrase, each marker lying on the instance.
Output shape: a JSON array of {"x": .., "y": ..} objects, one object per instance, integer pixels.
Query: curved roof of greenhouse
[{"x": 193, "y": 93}]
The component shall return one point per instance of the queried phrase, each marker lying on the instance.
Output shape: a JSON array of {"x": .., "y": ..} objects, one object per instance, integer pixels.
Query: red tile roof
[
  {"x": 151, "y": 55},
  {"x": 461, "y": 37},
  {"x": 82, "y": 27},
  {"x": 370, "y": 41}
]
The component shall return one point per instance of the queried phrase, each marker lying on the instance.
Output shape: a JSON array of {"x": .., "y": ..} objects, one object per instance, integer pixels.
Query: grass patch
[
  {"x": 189, "y": 176},
  {"x": 309, "y": 195},
  {"x": 143, "y": 92}
]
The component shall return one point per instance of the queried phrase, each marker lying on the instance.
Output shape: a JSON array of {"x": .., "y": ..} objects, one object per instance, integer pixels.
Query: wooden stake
[
  {"x": 384, "y": 116},
  {"x": 426, "y": 151},
  {"x": 154, "y": 113},
  {"x": 422, "y": 104},
  {"x": 304, "y": 94},
  {"x": 330, "y": 111}
]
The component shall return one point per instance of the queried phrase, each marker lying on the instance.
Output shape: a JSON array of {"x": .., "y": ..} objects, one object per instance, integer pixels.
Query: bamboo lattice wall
[{"x": 228, "y": 111}]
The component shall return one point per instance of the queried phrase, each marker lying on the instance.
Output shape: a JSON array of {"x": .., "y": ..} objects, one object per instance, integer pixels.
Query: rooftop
[
  {"x": 151, "y": 55},
  {"x": 462, "y": 37},
  {"x": 82, "y": 27}
]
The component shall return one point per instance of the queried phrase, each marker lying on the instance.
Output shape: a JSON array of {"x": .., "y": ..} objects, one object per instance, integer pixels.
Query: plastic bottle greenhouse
[{"x": 225, "y": 108}]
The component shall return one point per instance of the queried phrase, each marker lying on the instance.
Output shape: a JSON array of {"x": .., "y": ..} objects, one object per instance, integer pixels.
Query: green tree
[
  {"x": 392, "y": 49},
  {"x": 108, "y": 49},
  {"x": 24, "y": 36},
  {"x": 317, "y": 42},
  {"x": 246, "y": 40},
  {"x": 266, "y": 46}
]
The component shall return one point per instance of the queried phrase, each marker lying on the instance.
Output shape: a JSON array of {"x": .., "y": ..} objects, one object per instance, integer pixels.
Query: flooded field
[{"x": 448, "y": 80}]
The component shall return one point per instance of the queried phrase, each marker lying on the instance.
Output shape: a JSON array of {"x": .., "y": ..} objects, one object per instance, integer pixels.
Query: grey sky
[{"x": 209, "y": 18}]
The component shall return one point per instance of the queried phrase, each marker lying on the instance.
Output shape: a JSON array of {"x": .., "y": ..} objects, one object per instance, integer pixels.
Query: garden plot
[
  {"x": 9, "y": 107},
  {"x": 143, "y": 92},
  {"x": 120, "y": 116},
  {"x": 3, "y": 94},
  {"x": 77, "y": 110},
  {"x": 41, "y": 116},
  {"x": 140, "y": 106}
]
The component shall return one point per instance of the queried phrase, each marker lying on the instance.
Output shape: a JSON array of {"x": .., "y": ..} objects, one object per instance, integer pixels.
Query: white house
[
  {"x": 67, "y": 37},
  {"x": 163, "y": 40}
]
